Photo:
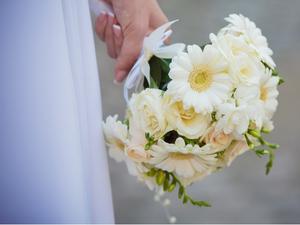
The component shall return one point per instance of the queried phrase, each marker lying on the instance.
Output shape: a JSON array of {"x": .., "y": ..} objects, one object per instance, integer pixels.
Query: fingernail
[
  {"x": 102, "y": 15},
  {"x": 111, "y": 14},
  {"x": 118, "y": 83},
  {"x": 121, "y": 75},
  {"x": 117, "y": 30}
]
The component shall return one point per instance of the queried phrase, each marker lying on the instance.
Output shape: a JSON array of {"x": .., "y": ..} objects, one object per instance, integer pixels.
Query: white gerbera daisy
[
  {"x": 185, "y": 160},
  {"x": 269, "y": 93},
  {"x": 115, "y": 134},
  {"x": 199, "y": 78},
  {"x": 242, "y": 26}
]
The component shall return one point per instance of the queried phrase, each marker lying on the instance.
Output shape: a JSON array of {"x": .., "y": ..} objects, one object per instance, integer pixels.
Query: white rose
[
  {"x": 145, "y": 109},
  {"x": 218, "y": 139},
  {"x": 186, "y": 122},
  {"x": 115, "y": 133}
]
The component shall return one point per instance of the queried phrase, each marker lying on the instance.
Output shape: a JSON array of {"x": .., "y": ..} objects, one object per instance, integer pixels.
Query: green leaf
[
  {"x": 270, "y": 145},
  {"x": 180, "y": 192},
  {"x": 203, "y": 204},
  {"x": 261, "y": 152},
  {"x": 270, "y": 162},
  {"x": 166, "y": 182},
  {"x": 151, "y": 173},
  {"x": 147, "y": 136},
  {"x": 263, "y": 130},
  {"x": 249, "y": 143},
  {"x": 171, "y": 187},
  {"x": 165, "y": 65},
  {"x": 254, "y": 133},
  {"x": 185, "y": 199},
  {"x": 150, "y": 141},
  {"x": 126, "y": 122},
  {"x": 155, "y": 72},
  {"x": 160, "y": 177},
  {"x": 273, "y": 146},
  {"x": 281, "y": 81},
  {"x": 153, "y": 83}
]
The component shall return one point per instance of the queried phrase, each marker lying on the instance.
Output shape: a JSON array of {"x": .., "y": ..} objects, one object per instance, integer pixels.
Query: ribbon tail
[{"x": 132, "y": 78}]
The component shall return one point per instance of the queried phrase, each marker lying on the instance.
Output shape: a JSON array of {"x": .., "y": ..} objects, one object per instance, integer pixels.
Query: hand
[{"x": 124, "y": 41}]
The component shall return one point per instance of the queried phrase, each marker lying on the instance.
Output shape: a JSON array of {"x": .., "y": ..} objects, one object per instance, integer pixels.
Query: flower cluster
[{"x": 200, "y": 108}]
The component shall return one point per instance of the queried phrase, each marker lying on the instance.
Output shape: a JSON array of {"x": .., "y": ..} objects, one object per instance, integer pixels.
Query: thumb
[{"x": 131, "y": 48}]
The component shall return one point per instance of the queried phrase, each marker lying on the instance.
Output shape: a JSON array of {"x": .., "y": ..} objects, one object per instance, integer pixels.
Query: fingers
[
  {"x": 109, "y": 36},
  {"x": 157, "y": 18},
  {"x": 100, "y": 25},
  {"x": 118, "y": 38},
  {"x": 131, "y": 47},
  {"x": 107, "y": 30}
]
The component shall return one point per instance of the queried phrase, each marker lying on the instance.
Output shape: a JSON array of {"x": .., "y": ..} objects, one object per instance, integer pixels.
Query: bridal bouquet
[{"x": 196, "y": 108}]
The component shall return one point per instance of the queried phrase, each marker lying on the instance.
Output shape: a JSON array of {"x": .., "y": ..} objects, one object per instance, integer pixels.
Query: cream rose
[
  {"x": 146, "y": 110},
  {"x": 234, "y": 150},
  {"x": 137, "y": 152},
  {"x": 186, "y": 122},
  {"x": 218, "y": 139}
]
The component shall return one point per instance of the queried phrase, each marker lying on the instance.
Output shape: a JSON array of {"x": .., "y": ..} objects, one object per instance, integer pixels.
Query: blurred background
[{"x": 241, "y": 193}]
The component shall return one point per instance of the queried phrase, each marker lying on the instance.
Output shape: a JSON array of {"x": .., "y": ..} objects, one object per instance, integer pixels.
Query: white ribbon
[{"x": 135, "y": 76}]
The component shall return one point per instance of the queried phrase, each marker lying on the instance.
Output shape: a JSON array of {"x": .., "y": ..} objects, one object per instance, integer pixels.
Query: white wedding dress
[{"x": 53, "y": 165}]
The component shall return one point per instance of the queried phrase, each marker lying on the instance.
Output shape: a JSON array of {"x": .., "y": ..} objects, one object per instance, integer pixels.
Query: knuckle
[{"x": 137, "y": 28}]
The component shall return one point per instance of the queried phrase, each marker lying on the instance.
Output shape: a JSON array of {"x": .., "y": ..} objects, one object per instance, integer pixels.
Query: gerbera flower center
[
  {"x": 200, "y": 79},
  {"x": 263, "y": 94},
  {"x": 180, "y": 156}
]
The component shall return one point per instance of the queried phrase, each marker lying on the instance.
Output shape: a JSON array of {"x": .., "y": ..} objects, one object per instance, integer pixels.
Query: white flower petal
[{"x": 169, "y": 51}]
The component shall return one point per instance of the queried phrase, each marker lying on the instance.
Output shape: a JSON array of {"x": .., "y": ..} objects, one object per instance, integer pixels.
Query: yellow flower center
[
  {"x": 263, "y": 94},
  {"x": 180, "y": 156},
  {"x": 200, "y": 79}
]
